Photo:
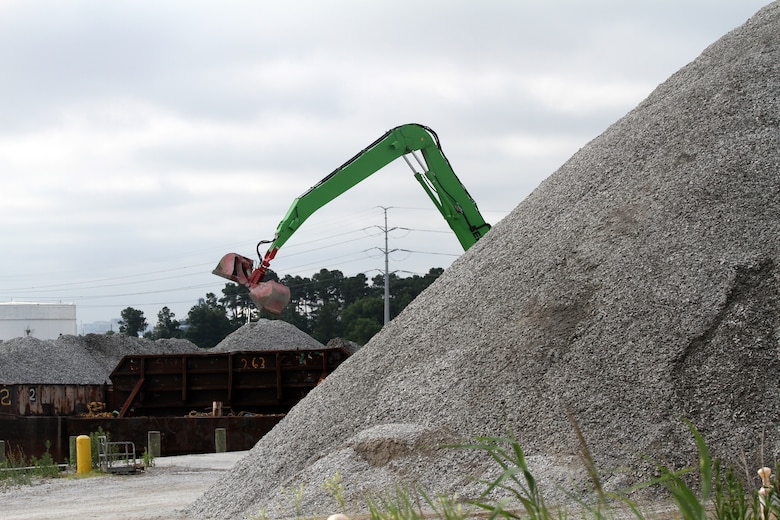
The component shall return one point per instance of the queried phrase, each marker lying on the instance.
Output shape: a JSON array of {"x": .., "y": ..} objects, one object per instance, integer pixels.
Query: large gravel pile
[
  {"x": 76, "y": 360},
  {"x": 638, "y": 284},
  {"x": 267, "y": 335}
]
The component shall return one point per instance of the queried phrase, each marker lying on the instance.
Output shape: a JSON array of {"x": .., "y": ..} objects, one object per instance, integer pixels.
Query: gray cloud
[{"x": 144, "y": 137}]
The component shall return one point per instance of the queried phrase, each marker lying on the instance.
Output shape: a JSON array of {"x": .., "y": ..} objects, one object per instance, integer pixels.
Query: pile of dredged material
[
  {"x": 639, "y": 284},
  {"x": 267, "y": 335},
  {"x": 90, "y": 359},
  {"x": 76, "y": 360}
]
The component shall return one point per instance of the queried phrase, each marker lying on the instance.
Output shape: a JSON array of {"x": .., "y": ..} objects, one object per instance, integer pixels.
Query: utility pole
[{"x": 387, "y": 252}]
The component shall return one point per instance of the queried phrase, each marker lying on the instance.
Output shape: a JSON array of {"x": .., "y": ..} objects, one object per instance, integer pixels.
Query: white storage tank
[{"x": 40, "y": 320}]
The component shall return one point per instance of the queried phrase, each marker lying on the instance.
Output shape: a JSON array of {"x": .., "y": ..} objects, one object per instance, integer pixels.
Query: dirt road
[{"x": 156, "y": 493}]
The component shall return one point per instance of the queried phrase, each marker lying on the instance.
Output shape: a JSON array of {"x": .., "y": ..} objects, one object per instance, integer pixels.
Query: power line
[{"x": 80, "y": 288}]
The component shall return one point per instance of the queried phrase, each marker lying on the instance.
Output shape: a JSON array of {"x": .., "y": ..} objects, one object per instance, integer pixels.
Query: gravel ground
[
  {"x": 160, "y": 492},
  {"x": 638, "y": 284}
]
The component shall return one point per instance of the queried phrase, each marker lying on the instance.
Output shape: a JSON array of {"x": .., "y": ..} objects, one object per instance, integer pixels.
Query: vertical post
[
  {"x": 220, "y": 440},
  {"x": 153, "y": 443},
  {"x": 2, "y": 452},
  {"x": 387, "y": 275},
  {"x": 72, "y": 454},
  {"x": 83, "y": 454}
]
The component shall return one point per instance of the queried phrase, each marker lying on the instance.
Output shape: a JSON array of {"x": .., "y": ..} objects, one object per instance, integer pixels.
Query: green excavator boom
[{"x": 436, "y": 177}]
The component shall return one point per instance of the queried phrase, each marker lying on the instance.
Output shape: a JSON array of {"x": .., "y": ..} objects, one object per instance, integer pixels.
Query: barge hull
[{"x": 178, "y": 435}]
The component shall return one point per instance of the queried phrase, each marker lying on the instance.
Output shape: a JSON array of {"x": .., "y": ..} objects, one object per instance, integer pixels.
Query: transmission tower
[{"x": 386, "y": 251}]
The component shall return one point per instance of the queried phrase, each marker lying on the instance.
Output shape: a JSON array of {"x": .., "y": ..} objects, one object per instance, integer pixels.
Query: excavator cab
[{"x": 271, "y": 296}]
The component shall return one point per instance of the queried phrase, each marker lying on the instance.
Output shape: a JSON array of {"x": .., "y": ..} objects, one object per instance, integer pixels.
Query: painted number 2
[{"x": 5, "y": 397}]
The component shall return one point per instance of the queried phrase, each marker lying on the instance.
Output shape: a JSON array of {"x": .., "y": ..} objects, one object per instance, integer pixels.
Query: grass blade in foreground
[
  {"x": 516, "y": 479},
  {"x": 690, "y": 506}
]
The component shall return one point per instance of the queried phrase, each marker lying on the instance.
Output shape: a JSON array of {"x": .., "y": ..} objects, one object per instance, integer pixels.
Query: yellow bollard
[{"x": 83, "y": 454}]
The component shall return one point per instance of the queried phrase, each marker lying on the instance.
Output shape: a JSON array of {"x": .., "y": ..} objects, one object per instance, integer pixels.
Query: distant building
[
  {"x": 40, "y": 320},
  {"x": 99, "y": 327}
]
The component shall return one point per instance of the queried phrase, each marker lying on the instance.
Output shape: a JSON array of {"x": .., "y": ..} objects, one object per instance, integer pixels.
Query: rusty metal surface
[
  {"x": 172, "y": 394},
  {"x": 178, "y": 435},
  {"x": 49, "y": 400},
  {"x": 264, "y": 382},
  {"x": 28, "y": 436}
]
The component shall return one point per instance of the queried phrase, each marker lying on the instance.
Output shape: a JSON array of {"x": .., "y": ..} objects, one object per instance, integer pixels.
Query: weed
[
  {"x": 94, "y": 441},
  {"x": 403, "y": 506},
  {"x": 296, "y": 495},
  {"x": 335, "y": 487},
  {"x": 448, "y": 508},
  {"x": 406, "y": 505},
  {"x": 719, "y": 495},
  {"x": 690, "y": 506},
  {"x": 718, "y": 490},
  {"x": 148, "y": 459},
  {"x": 45, "y": 466},
  {"x": 13, "y": 470},
  {"x": 730, "y": 499},
  {"x": 262, "y": 514},
  {"x": 18, "y": 469},
  {"x": 516, "y": 479}
]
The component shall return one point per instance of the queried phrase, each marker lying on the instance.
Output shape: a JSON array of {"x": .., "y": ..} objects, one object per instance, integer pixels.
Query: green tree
[
  {"x": 354, "y": 288},
  {"x": 328, "y": 286},
  {"x": 361, "y": 330},
  {"x": 208, "y": 323},
  {"x": 298, "y": 296},
  {"x": 132, "y": 322},
  {"x": 325, "y": 322},
  {"x": 363, "y": 318},
  {"x": 404, "y": 290},
  {"x": 326, "y": 306},
  {"x": 237, "y": 302},
  {"x": 292, "y": 315},
  {"x": 167, "y": 326}
]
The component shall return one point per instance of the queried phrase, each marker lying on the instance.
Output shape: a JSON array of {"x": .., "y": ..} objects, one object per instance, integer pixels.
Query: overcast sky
[{"x": 142, "y": 140}]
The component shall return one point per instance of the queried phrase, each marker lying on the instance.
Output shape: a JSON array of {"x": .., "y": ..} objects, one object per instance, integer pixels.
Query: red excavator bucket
[
  {"x": 234, "y": 267},
  {"x": 271, "y": 296}
]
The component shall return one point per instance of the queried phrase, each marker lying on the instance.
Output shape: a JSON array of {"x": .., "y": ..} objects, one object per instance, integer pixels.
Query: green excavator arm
[{"x": 437, "y": 179}]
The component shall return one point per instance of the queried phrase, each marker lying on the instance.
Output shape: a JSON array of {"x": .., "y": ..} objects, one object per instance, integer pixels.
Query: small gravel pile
[
  {"x": 76, "y": 360},
  {"x": 267, "y": 335},
  {"x": 90, "y": 359},
  {"x": 348, "y": 346},
  {"x": 638, "y": 284}
]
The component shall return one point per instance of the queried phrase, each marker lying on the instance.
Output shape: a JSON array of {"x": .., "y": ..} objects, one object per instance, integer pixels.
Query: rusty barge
[{"x": 185, "y": 397}]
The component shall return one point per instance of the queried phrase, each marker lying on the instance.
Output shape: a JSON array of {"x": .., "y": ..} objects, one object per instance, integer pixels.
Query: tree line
[{"x": 328, "y": 305}]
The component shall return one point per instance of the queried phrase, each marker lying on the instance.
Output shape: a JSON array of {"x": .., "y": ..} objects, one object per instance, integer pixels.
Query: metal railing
[{"x": 117, "y": 456}]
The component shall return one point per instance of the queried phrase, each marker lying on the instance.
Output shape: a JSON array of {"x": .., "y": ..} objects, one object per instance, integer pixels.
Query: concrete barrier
[
  {"x": 220, "y": 440},
  {"x": 153, "y": 443}
]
